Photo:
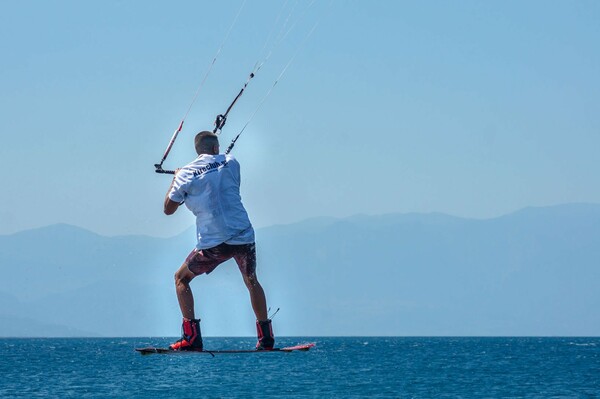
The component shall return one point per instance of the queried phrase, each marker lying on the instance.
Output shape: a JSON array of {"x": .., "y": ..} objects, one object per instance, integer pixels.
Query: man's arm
[{"x": 171, "y": 206}]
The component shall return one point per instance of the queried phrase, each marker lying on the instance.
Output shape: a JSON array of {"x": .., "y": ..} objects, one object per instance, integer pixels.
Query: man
[{"x": 210, "y": 188}]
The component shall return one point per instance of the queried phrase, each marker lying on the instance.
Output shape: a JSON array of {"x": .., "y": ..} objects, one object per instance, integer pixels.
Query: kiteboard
[{"x": 150, "y": 350}]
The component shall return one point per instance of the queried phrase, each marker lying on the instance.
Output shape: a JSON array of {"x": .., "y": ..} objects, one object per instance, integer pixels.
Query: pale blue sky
[{"x": 470, "y": 108}]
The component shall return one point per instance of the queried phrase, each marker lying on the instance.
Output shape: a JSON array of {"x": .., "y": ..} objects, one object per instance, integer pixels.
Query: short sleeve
[{"x": 179, "y": 189}]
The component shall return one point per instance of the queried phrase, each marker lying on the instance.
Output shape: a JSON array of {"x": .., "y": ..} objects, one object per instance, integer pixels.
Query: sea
[{"x": 337, "y": 367}]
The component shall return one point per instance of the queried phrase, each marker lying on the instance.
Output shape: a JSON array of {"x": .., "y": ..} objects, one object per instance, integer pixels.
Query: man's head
[{"x": 206, "y": 143}]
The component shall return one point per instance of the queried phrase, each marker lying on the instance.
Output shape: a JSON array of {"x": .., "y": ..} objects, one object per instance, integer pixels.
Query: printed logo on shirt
[{"x": 211, "y": 167}]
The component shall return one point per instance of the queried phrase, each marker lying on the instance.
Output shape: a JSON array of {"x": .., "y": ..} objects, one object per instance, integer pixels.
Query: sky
[{"x": 475, "y": 109}]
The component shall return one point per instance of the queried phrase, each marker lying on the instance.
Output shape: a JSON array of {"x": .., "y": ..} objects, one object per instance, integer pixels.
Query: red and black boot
[
  {"x": 191, "y": 339},
  {"x": 264, "y": 330}
]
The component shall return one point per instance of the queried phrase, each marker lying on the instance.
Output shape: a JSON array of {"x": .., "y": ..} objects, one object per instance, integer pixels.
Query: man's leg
[
  {"x": 245, "y": 257},
  {"x": 184, "y": 292},
  {"x": 264, "y": 329},
  {"x": 198, "y": 262},
  {"x": 191, "y": 338},
  {"x": 246, "y": 260},
  {"x": 257, "y": 297}
]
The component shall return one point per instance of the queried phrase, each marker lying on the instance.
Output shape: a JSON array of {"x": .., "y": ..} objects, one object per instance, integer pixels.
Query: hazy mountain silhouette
[{"x": 532, "y": 272}]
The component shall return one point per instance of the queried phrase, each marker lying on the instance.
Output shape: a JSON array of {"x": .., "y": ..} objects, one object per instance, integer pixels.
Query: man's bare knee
[
  {"x": 251, "y": 281},
  {"x": 183, "y": 276}
]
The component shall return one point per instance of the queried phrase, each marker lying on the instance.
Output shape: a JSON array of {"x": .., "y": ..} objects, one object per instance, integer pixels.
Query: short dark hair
[{"x": 205, "y": 142}]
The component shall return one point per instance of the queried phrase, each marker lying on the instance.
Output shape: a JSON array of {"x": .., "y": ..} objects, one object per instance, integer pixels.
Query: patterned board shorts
[{"x": 201, "y": 261}]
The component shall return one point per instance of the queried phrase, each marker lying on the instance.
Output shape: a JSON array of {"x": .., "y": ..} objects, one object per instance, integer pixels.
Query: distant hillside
[{"x": 532, "y": 272}]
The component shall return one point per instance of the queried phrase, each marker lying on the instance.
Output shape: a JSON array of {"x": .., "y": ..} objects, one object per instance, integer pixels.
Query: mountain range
[{"x": 532, "y": 272}]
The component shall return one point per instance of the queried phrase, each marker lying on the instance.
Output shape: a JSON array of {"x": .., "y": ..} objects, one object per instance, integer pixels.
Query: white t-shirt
[{"x": 210, "y": 187}]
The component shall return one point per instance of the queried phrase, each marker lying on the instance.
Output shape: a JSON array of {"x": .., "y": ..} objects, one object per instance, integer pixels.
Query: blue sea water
[{"x": 349, "y": 367}]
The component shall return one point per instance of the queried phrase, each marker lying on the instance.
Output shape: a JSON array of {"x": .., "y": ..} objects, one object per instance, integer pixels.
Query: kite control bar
[
  {"x": 219, "y": 123},
  {"x": 159, "y": 169}
]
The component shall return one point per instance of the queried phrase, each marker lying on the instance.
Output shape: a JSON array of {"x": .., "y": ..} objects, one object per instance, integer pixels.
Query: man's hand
[{"x": 171, "y": 206}]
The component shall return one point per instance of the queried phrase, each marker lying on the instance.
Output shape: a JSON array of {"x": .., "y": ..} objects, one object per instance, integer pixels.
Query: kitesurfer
[{"x": 210, "y": 188}]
